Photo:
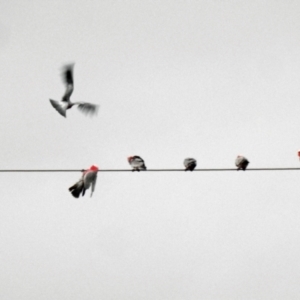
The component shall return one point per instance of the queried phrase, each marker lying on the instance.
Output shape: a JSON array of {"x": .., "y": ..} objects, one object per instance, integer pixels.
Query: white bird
[
  {"x": 137, "y": 163},
  {"x": 241, "y": 162},
  {"x": 190, "y": 164},
  {"x": 65, "y": 103},
  {"x": 88, "y": 178}
]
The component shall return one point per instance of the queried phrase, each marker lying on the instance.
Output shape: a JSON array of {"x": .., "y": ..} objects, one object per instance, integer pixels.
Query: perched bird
[
  {"x": 87, "y": 179},
  {"x": 65, "y": 103},
  {"x": 137, "y": 163},
  {"x": 190, "y": 164},
  {"x": 241, "y": 162}
]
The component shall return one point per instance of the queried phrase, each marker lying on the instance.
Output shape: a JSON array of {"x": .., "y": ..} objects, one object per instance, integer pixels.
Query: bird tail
[
  {"x": 190, "y": 167},
  {"x": 77, "y": 188}
]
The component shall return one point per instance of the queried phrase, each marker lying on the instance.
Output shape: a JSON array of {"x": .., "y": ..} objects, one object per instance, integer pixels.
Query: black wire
[{"x": 149, "y": 170}]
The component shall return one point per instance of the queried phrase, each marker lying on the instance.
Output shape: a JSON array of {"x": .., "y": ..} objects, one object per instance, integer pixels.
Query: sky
[{"x": 174, "y": 79}]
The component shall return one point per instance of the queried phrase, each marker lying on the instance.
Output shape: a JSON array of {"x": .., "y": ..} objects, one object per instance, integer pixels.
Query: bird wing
[
  {"x": 137, "y": 161},
  {"x": 68, "y": 93},
  {"x": 188, "y": 161},
  {"x": 89, "y": 179},
  {"x": 69, "y": 82},
  {"x": 88, "y": 108},
  {"x": 60, "y": 106},
  {"x": 240, "y": 160}
]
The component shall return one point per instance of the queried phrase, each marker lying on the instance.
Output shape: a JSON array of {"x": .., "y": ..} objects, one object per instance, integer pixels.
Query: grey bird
[
  {"x": 190, "y": 164},
  {"x": 88, "y": 178},
  {"x": 137, "y": 163},
  {"x": 65, "y": 103},
  {"x": 241, "y": 162}
]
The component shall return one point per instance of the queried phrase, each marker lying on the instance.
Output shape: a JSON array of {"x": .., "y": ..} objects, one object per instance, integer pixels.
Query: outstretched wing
[
  {"x": 60, "y": 106},
  {"x": 88, "y": 108},
  {"x": 68, "y": 80}
]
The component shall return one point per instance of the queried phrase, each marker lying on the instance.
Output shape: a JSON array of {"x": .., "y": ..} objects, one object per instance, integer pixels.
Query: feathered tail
[
  {"x": 77, "y": 188},
  {"x": 190, "y": 167}
]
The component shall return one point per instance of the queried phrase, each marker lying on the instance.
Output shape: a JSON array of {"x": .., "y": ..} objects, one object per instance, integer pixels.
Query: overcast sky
[{"x": 174, "y": 79}]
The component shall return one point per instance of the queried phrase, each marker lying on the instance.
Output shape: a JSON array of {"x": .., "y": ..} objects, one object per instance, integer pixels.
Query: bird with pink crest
[{"x": 88, "y": 178}]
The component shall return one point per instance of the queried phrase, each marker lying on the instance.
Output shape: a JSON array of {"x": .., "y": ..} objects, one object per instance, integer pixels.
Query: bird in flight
[
  {"x": 137, "y": 163},
  {"x": 190, "y": 164},
  {"x": 87, "y": 179},
  {"x": 241, "y": 162},
  {"x": 65, "y": 103}
]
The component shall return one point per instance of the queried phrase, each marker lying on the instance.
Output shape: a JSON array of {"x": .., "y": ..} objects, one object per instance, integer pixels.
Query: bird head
[
  {"x": 129, "y": 158},
  {"x": 94, "y": 168}
]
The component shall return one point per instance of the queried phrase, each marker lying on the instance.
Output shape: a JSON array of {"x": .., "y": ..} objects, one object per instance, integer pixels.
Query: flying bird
[
  {"x": 190, "y": 164},
  {"x": 87, "y": 179},
  {"x": 241, "y": 162},
  {"x": 137, "y": 163},
  {"x": 65, "y": 103}
]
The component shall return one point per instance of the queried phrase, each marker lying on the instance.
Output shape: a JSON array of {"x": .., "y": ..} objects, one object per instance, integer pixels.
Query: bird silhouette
[{"x": 65, "y": 103}]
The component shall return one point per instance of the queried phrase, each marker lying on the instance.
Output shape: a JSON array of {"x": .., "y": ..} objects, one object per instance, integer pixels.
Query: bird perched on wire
[
  {"x": 65, "y": 103},
  {"x": 190, "y": 164},
  {"x": 87, "y": 179},
  {"x": 137, "y": 163},
  {"x": 241, "y": 162}
]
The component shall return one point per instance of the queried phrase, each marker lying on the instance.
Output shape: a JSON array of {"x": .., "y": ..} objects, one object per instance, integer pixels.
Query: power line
[{"x": 149, "y": 170}]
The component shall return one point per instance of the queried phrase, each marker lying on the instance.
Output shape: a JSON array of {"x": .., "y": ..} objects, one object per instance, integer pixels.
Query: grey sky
[{"x": 174, "y": 79}]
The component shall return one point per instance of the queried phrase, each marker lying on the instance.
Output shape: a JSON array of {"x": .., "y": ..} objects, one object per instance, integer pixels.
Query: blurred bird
[
  {"x": 87, "y": 179},
  {"x": 190, "y": 164},
  {"x": 137, "y": 163},
  {"x": 65, "y": 103},
  {"x": 241, "y": 162}
]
